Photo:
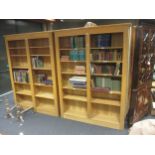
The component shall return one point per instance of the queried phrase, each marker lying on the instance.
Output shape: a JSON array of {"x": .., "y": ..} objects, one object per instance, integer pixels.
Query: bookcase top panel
[
  {"x": 82, "y": 29},
  {"x": 114, "y": 28},
  {"x": 44, "y": 34}
]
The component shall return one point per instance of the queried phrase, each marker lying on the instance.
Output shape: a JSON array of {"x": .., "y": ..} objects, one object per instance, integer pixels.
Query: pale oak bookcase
[
  {"x": 100, "y": 108},
  {"x": 21, "y": 49}
]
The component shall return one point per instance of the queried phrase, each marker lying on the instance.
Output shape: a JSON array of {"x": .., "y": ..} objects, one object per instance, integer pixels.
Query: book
[
  {"x": 116, "y": 85},
  {"x": 81, "y": 55},
  {"x": 104, "y": 40},
  {"x": 117, "y": 69},
  {"x": 37, "y": 62},
  {"x": 65, "y": 58},
  {"x": 43, "y": 79}
]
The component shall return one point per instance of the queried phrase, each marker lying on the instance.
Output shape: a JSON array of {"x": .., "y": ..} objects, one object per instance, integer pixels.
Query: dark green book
[
  {"x": 116, "y": 85},
  {"x": 108, "y": 83}
]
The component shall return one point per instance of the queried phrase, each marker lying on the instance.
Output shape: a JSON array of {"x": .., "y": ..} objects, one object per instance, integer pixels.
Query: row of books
[
  {"x": 113, "y": 69},
  {"x": 101, "y": 40},
  {"x": 21, "y": 76},
  {"x": 104, "y": 83},
  {"x": 74, "y": 56},
  {"x": 43, "y": 79},
  {"x": 78, "y": 81},
  {"x": 37, "y": 62},
  {"x": 72, "y": 42},
  {"x": 77, "y": 55},
  {"x": 106, "y": 55}
]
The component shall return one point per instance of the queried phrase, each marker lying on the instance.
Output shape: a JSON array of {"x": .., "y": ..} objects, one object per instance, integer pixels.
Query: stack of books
[
  {"x": 64, "y": 58},
  {"x": 21, "y": 76},
  {"x": 78, "y": 81},
  {"x": 80, "y": 69},
  {"x": 37, "y": 62},
  {"x": 106, "y": 84},
  {"x": 43, "y": 79}
]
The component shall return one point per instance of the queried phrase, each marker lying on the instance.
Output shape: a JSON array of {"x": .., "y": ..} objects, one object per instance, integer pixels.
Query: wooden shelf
[
  {"x": 16, "y": 48},
  {"x": 22, "y": 83},
  {"x": 46, "y": 108},
  {"x": 106, "y": 61},
  {"x": 20, "y": 67},
  {"x": 71, "y": 73},
  {"x": 48, "y": 69},
  {"x": 42, "y": 85},
  {"x": 69, "y": 49},
  {"x": 101, "y": 48},
  {"x": 33, "y": 47},
  {"x": 73, "y": 61},
  {"x": 75, "y": 97},
  {"x": 71, "y": 88},
  {"x": 24, "y": 92},
  {"x": 26, "y": 104},
  {"x": 105, "y": 102},
  {"x": 108, "y": 75},
  {"x": 112, "y": 119},
  {"x": 21, "y": 49},
  {"x": 44, "y": 95},
  {"x": 18, "y": 55},
  {"x": 40, "y": 55},
  {"x": 75, "y": 113}
]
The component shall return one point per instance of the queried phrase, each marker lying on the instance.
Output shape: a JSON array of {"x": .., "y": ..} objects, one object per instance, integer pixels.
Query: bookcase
[
  {"x": 93, "y": 67},
  {"x": 32, "y": 71}
]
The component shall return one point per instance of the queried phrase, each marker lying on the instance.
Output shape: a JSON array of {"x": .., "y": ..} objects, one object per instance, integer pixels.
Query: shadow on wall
[{"x": 12, "y": 27}]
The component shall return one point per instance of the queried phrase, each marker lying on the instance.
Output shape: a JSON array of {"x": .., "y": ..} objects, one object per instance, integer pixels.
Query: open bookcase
[
  {"x": 32, "y": 71},
  {"x": 93, "y": 72}
]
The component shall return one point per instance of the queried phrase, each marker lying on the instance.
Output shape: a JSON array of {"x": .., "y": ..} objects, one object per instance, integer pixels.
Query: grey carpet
[{"x": 38, "y": 124}]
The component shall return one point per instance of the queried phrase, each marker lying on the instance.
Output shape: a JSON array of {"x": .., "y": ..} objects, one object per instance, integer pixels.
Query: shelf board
[
  {"x": 72, "y": 88},
  {"x": 113, "y": 119},
  {"x": 69, "y": 49},
  {"x": 34, "y": 47},
  {"x": 43, "y": 85},
  {"x": 73, "y": 61},
  {"x": 106, "y": 61},
  {"x": 24, "y": 92},
  {"x": 25, "y": 104},
  {"x": 71, "y": 73},
  {"x": 42, "y": 69},
  {"x": 21, "y": 55},
  {"x": 101, "y": 48},
  {"x": 45, "y": 108},
  {"x": 19, "y": 67},
  {"x": 75, "y": 97},
  {"x": 106, "y": 102},
  {"x": 16, "y": 48},
  {"x": 109, "y": 75},
  {"x": 22, "y": 83},
  {"x": 40, "y": 55},
  {"x": 44, "y": 95},
  {"x": 69, "y": 113}
]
